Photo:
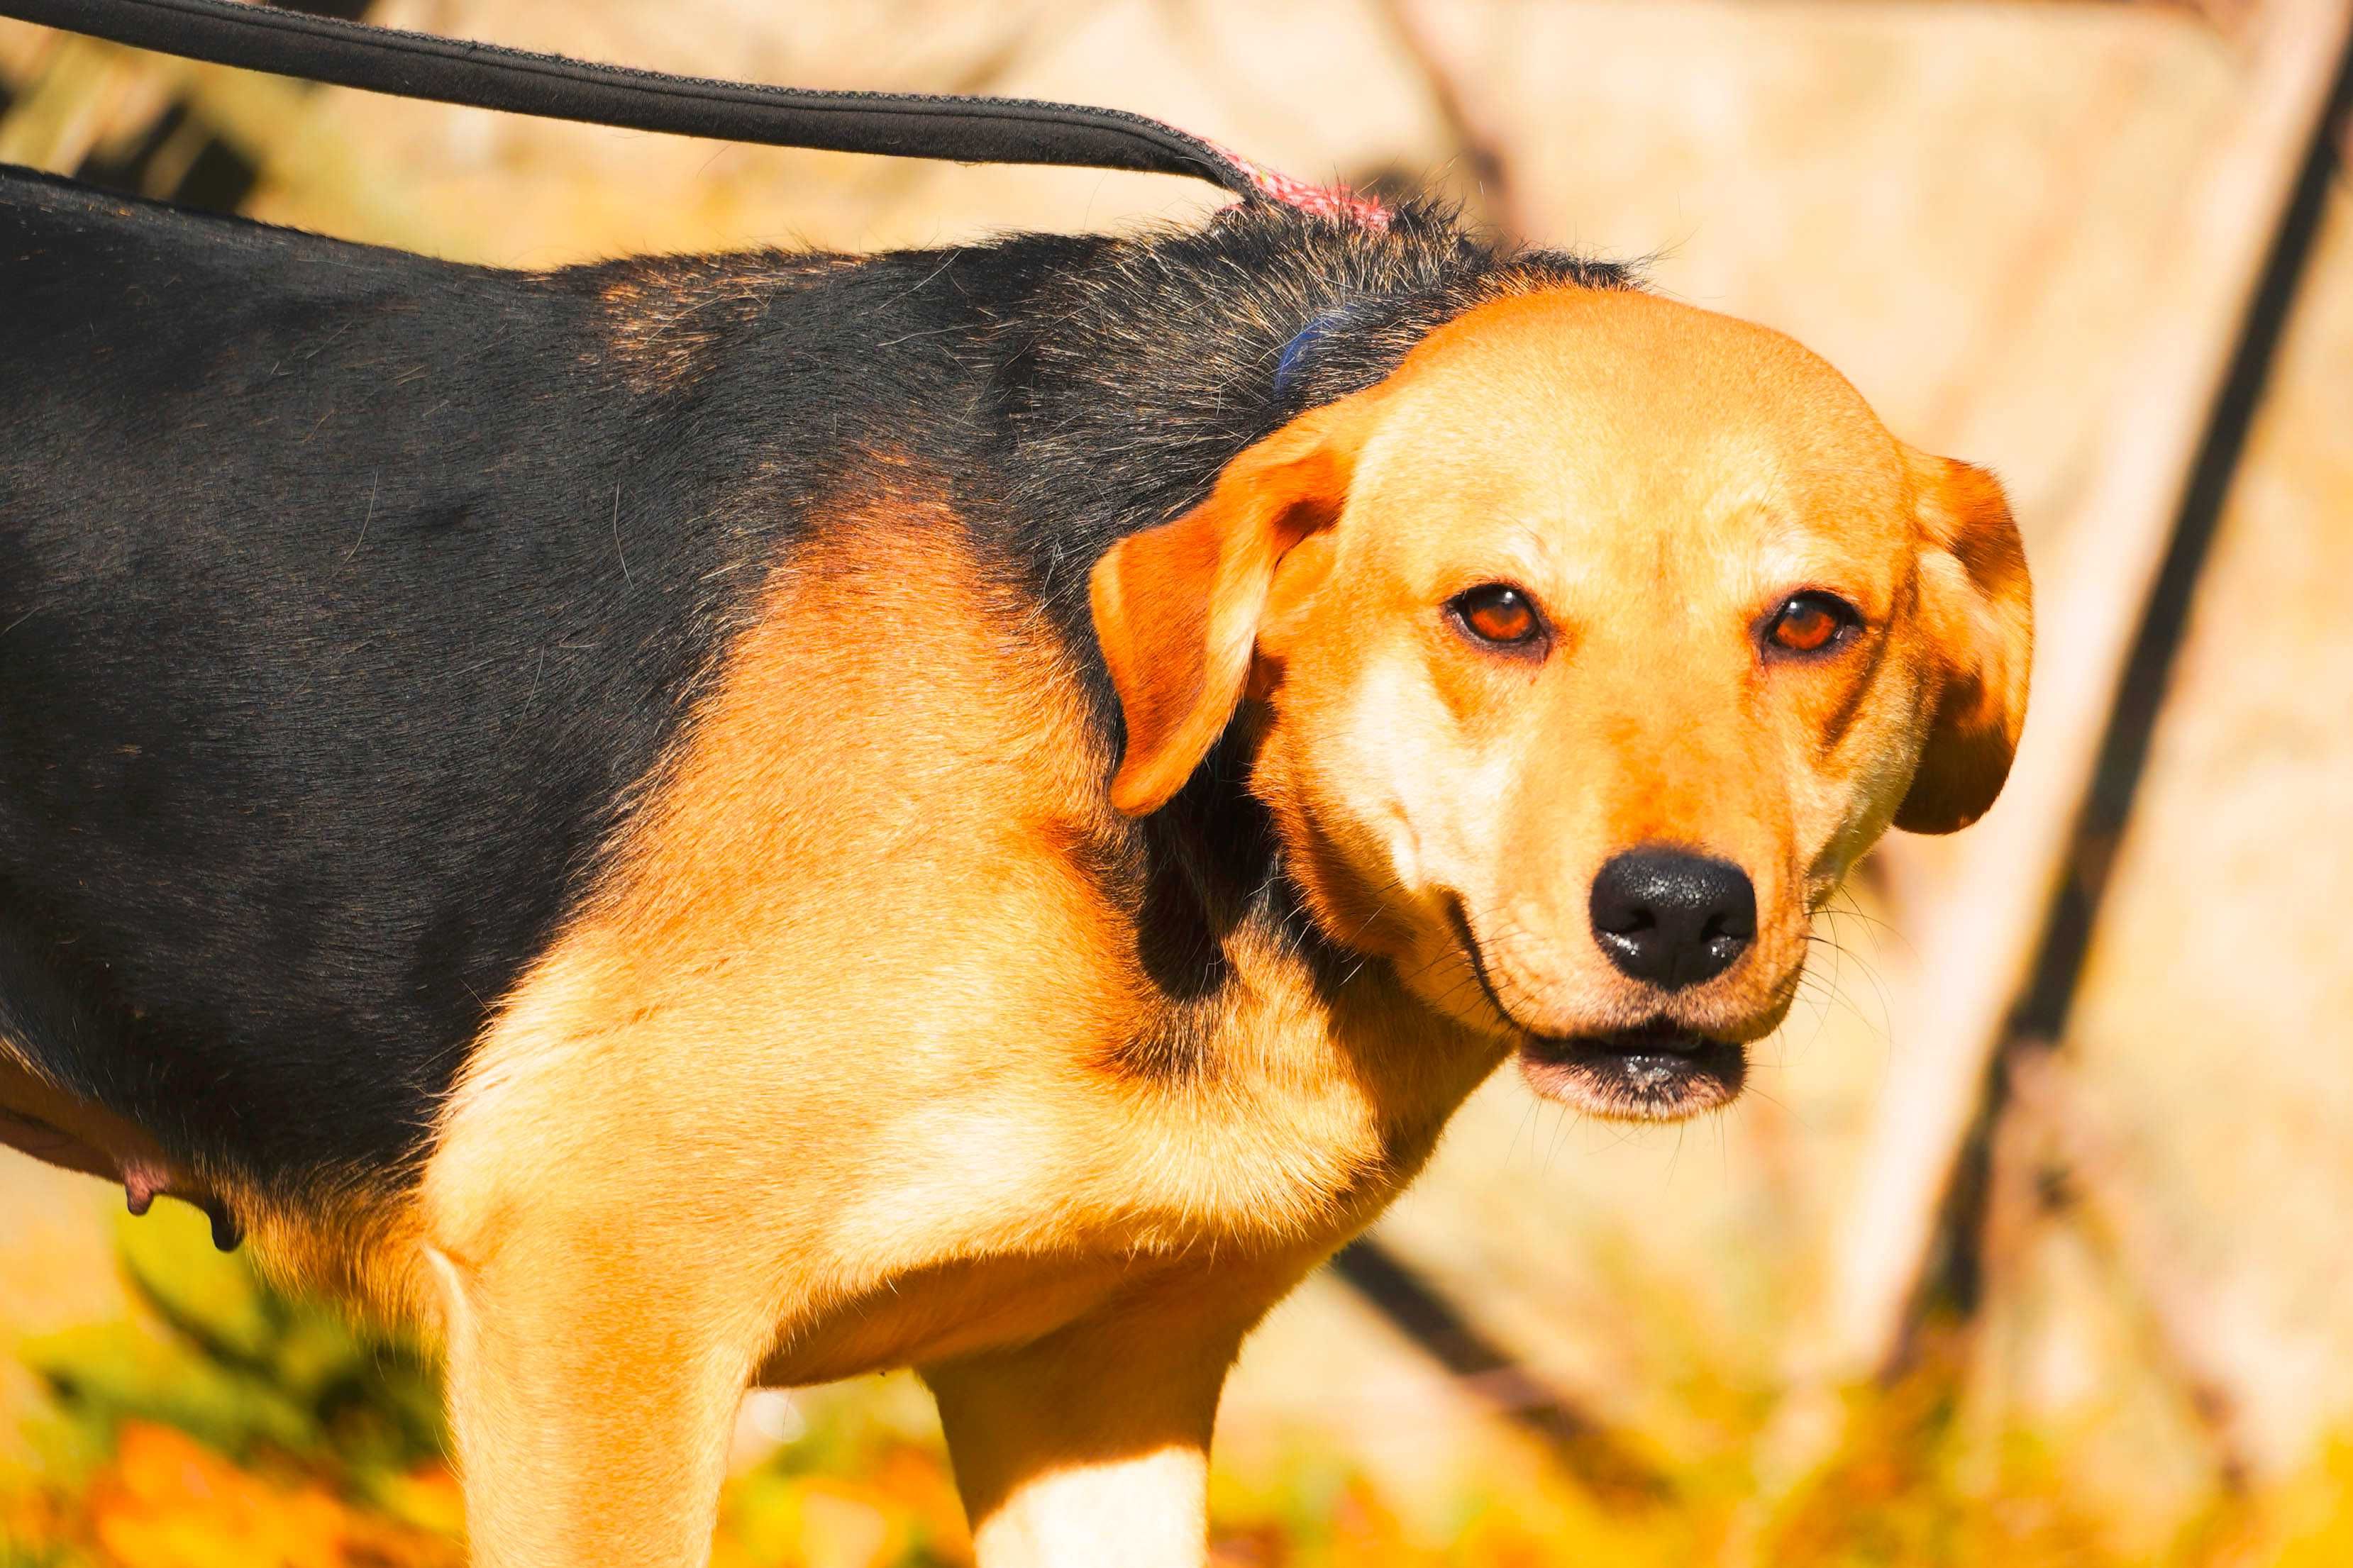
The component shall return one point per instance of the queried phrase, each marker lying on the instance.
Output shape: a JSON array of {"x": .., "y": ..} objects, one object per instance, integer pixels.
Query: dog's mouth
[
  {"x": 1656, "y": 1071},
  {"x": 1659, "y": 1072}
]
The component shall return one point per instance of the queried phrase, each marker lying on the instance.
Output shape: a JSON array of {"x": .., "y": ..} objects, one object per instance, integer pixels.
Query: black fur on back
[
  {"x": 1123, "y": 374},
  {"x": 347, "y": 596}
]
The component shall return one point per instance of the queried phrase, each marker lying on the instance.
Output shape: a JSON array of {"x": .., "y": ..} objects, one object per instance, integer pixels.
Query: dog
[{"x": 696, "y": 821}]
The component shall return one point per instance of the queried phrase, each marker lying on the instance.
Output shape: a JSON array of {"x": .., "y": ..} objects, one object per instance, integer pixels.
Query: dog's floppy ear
[
  {"x": 1176, "y": 607},
  {"x": 1980, "y": 610}
]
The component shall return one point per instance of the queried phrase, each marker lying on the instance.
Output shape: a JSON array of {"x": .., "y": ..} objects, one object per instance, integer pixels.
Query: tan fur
[{"x": 721, "y": 1127}]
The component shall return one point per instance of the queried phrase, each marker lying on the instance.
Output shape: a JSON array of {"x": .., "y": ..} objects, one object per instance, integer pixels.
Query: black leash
[{"x": 488, "y": 76}]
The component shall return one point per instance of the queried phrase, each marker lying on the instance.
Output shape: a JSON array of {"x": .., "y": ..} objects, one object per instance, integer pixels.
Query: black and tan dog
[{"x": 702, "y": 820}]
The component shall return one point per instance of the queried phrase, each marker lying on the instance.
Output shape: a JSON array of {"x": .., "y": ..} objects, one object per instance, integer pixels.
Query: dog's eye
[
  {"x": 1810, "y": 622},
  {"x": 1500, "y": 614}
]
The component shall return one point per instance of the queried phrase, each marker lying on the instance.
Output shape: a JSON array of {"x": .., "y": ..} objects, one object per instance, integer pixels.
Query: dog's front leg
[
  {"x": 591, "y": 1402},
  {"x": 1089, "y": 1448}
]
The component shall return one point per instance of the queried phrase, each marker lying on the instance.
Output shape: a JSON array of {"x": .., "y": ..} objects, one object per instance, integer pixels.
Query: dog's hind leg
[
  {"x": 591, "y": 1398},
  {"x": 1089, "y": 1448}
]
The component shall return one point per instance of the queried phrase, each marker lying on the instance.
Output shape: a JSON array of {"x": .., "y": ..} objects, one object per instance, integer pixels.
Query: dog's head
[{"x": 1588, "y": 650}]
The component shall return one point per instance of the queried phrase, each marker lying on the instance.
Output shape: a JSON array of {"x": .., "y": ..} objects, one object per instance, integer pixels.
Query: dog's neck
[{"x": 1300, "y": 1082}]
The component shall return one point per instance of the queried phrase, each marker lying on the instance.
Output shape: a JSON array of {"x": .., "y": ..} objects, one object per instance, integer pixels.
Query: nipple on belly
[
  {"x": 144, "y": 1182},
  {"x": 141, "y": 1186}
]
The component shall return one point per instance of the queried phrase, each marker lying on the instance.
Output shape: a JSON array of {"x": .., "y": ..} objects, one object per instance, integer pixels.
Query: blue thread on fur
[{"x": 1291, "y": 362}]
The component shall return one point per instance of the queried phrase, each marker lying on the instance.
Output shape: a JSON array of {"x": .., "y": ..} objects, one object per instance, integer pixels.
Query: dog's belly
[{"x": 38, "y": 1119}]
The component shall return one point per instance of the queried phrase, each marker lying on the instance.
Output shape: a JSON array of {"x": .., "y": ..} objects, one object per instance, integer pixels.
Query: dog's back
[{"x": 342, "y": 602}]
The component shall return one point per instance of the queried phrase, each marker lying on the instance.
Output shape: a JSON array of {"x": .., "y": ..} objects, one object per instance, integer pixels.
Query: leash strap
[{"x": 488, "y": 76}]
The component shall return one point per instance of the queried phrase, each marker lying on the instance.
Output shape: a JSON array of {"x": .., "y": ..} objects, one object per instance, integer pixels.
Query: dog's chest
[{"x": 991, "y": 1225}]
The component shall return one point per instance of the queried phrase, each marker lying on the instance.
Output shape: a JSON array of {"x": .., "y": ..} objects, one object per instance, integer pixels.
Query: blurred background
[{"x": 2032, "y": 1241}]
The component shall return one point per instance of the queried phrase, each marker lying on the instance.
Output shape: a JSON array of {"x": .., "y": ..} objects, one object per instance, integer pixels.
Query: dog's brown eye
[
  {"x": 1810, "y": 623},
  {"x": 1499, "y": 613}
]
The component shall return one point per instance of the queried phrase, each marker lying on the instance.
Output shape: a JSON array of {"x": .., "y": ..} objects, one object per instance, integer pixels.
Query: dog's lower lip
[{"x": 1655, "y": 1073}]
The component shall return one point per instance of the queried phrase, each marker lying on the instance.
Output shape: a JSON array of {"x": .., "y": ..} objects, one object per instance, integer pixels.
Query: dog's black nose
[{"x": 1672, "y": 917}]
